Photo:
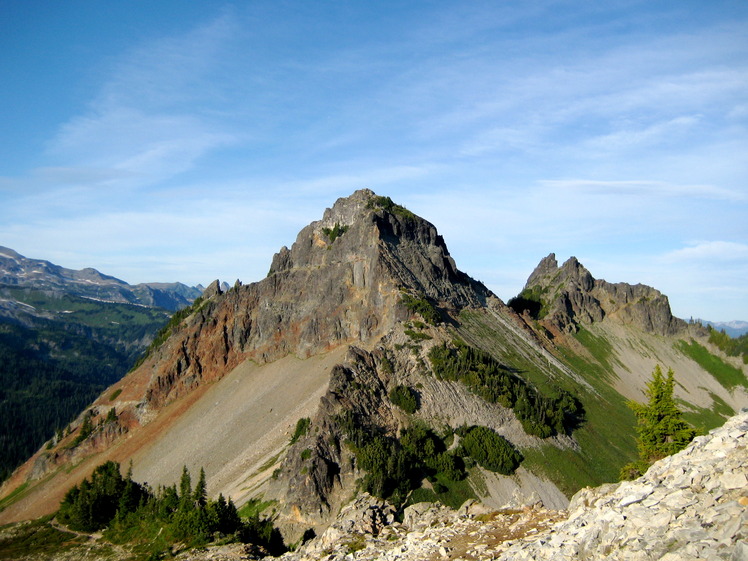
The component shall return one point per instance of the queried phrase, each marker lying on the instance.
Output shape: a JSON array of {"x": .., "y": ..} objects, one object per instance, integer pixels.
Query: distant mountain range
[
  {"x": 732, "y": 328},
  {"x": 19, "y": 271},
  {"x": 65, "y": 335}
]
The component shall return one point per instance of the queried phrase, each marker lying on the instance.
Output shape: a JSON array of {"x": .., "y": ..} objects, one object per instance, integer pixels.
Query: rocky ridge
[
  {"x": 342, "y": 282},
  {"x": 567, "y": 296},
  {"x": 342, "y": 285},
  {"x": 692, "y": 505}
]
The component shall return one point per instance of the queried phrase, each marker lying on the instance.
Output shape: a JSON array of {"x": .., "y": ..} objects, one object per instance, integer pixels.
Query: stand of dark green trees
[
  {"x": 130, "y": 512},
  {"x": 47, "y": 376},
  {"x": 396, "y": 466},
  {"x": 540, "y": 415}
]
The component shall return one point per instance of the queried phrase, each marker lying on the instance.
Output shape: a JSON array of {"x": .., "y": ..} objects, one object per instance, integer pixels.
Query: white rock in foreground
[{"x": 692, "y": 505}]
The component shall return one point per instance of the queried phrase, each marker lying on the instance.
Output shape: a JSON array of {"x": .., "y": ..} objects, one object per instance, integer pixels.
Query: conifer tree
[
  {"x": 200, "y": 495},
  {"x": 660, "y": 425},
  {"x": 185, "y": 490}
]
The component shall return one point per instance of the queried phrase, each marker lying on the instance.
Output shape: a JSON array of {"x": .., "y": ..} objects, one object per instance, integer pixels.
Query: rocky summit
[{"x": 567, "y": 296}]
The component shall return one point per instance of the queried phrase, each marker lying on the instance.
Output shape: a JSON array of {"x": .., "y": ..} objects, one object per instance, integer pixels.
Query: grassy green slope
[{"x": 605, "y": 438}]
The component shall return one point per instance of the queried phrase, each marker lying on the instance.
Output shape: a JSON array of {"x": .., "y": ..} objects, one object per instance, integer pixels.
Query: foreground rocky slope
[{"x": 692, "y": 505}]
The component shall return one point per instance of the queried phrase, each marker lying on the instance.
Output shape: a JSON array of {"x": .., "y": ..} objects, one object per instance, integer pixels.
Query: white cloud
[
  {"x": 151, "y": 119},
  {"x": 703, "y": 253},
  {"x": 650, "y": 188},
  {"x": 629, "y": 136}
]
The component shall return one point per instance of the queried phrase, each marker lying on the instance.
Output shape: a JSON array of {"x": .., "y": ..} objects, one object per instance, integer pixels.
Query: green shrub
[
  {"x": 386, "y": 204},
  {"x": 422, "y": 307},
  {"x": 492, "y": 451},
  {"x": 405, "y": 398},
  {"x": 85, "y": 431},
  {"x": 356, "y": 543},
  {"x": 417, "y": 335},
  {"x": 335, "y": 232},
  {"x": 302, "y": 427},
  {"x": 386, "y": 365}
]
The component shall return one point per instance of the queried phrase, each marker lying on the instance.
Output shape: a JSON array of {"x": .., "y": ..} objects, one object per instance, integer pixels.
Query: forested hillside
[{"x": 56, "y": 361}]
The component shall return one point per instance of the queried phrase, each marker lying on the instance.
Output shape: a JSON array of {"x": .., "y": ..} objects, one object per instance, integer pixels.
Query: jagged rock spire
[{"x": 570, "y": 296}]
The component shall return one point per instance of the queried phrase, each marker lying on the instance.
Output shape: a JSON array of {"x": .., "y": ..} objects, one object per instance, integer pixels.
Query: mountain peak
[
  {"x": 381, "y": 242},
  {"x": 568, "y": 296},
  {"x": 346, "y": 210},
  {"x": 343, "y": 281}
]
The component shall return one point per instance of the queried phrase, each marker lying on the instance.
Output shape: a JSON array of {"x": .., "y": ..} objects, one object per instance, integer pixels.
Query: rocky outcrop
[
  {"x": 692, "y": 505},
  {"x": 568, "y": 296},
  {"x": 326, "y": 291},
  {"x": 69, "y": 449},
  {"x": 317, "y": 474}
]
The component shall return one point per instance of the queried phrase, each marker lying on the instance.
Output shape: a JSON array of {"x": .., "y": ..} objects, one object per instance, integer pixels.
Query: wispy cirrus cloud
[
  {"x": 151, "y": 118},
  {"x": 647, "y": 188},
  {"x": 144, "y": 147},
  {"x": 715, "y": 251}
]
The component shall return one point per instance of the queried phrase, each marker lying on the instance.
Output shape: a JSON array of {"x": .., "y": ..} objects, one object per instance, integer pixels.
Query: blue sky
[{"x": 173, "y": 140}]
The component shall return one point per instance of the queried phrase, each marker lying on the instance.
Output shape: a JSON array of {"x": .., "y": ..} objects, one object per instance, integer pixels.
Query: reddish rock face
[{"x": 323, "y": 292}]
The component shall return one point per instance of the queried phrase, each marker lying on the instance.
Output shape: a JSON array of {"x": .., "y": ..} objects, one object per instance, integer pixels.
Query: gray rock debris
[{"x": 692, "y": 505}]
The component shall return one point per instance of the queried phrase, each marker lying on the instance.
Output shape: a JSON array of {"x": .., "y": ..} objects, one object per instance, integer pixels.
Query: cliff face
[
  {"x": 568, "y": 296},
  {"x": 341, "y": 282}
]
